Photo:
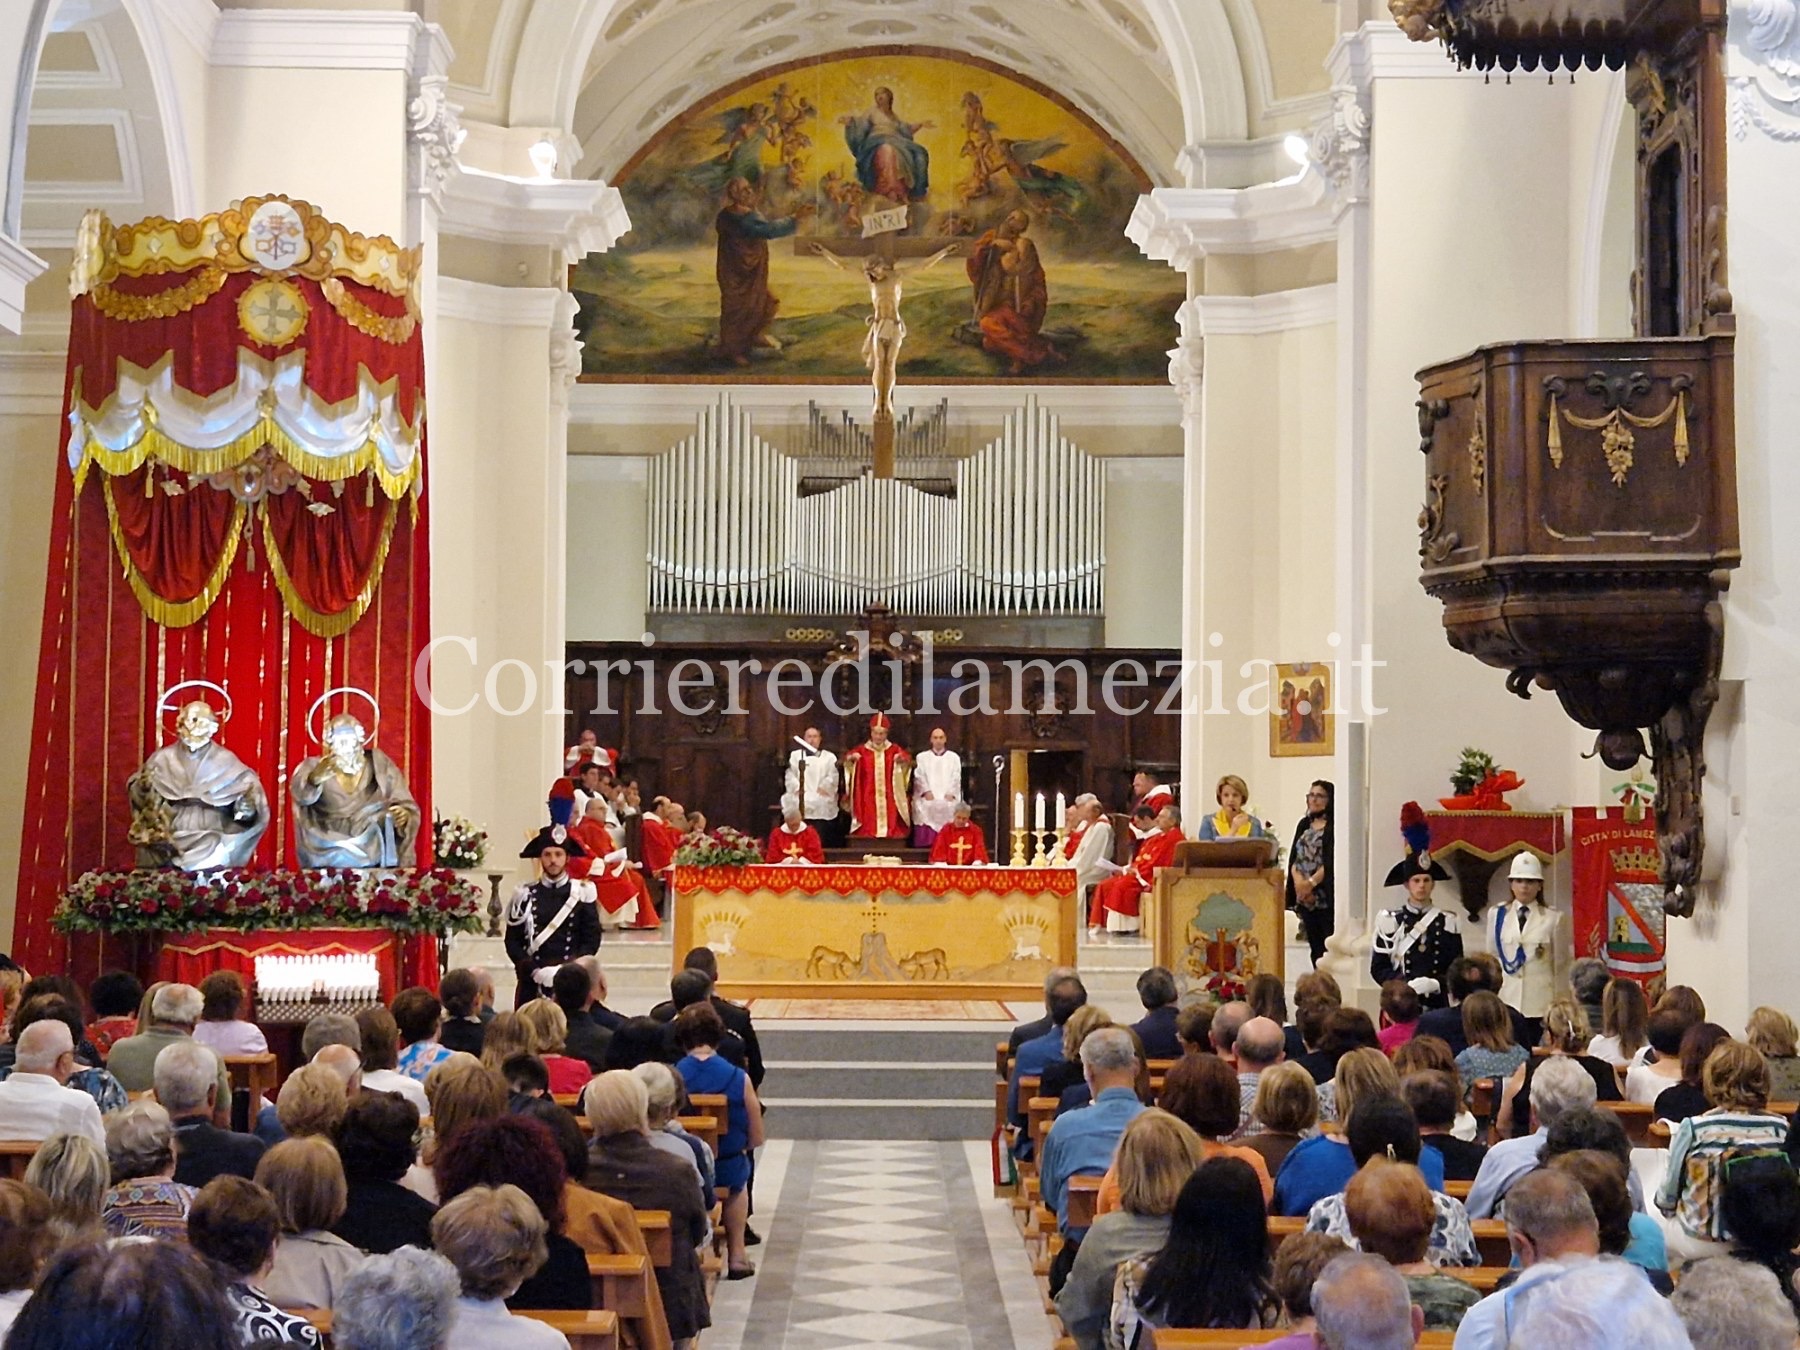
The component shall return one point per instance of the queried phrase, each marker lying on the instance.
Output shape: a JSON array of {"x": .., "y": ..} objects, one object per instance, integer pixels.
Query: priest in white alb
[
  {"x": 812, "y": 776},
  {"x": 936, "y": 789},
  {"x": 1092, "y": 859}
]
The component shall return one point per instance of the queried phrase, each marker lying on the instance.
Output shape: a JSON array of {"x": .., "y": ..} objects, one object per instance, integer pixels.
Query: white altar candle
[
  {"x": 1037, "y": 813},
  {"x": 1061, "y": 807},
  {"x": 1018, "y": 810}
]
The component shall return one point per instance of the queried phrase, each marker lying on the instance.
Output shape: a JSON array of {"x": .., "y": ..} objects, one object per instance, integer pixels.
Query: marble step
[{"x": 804, "y": 1118}]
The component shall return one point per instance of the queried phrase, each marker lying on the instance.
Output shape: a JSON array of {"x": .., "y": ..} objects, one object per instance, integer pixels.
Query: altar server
[
  {"x": 1415, "y": 941},
  {"x": 1116, "y": 901},
  {"x": 553, "y": 919},
  {"x": 960, "y": 843},
  {"x": 937, "y": 783},
  {"x": 876, "y": 774},
  {"x": 812, "y": 776},
  {"x": 793, "y": 843}
]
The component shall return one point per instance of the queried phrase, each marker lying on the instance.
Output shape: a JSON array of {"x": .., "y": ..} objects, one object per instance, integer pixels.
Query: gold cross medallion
[{"x": 273, "y": 312}]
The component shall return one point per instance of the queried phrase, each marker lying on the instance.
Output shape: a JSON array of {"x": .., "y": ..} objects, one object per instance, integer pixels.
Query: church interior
[{"x": 915, "y": 523}]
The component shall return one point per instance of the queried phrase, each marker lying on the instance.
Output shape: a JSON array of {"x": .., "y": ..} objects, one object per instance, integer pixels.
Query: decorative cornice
[
  {"x": 434, "y": 134},
  {"x": 1763, "y": 67},
  {"x": 1180, "y": 226},
  {"x": 578, "y": 215},
  {"x": 327, "y": 39},
  {"x": 1380, "y": 51},
  {"x": 498, "y": 306},
  {"x": 1276, "y": 312},
  {"x": 1340, "y": 145},
  {"x": 19, "y": 267}
]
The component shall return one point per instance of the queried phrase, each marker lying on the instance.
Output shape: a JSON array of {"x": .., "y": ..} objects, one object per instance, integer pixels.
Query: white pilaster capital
[
  {"x": 19, "y": 267},
  {"x": 434, "y": 134},
  {"x": 1340, "y": 146},
  {"x": 1180, "y": 226},
  {"x": 577, "y": 215},
  {"x": 565, "y": 351},
  {"x": 1762, "y": 63},
  {"x": 1187, "y": 361}
]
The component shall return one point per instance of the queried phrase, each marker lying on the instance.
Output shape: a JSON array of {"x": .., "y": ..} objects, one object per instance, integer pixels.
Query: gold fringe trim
[
  {"x": 153, "y": 444},
  {"x": 326, "y": 625},
  {"x": 170, "y": 613},
  {"x": 205, "y": 284},
  {"x": 396, "y": 330}
]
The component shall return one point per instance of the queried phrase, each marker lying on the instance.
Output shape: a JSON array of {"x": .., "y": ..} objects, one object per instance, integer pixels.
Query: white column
[{"x": 1187, "y": 372}]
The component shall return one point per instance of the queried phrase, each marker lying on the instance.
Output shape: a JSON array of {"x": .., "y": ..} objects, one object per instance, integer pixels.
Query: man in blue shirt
[
  {"x": 1560, "y": 1085},
  {"x": 1551, "y": 1226},
  {"x": 1082, "y": 1142},
  {"x": 1062, "y": 999}
]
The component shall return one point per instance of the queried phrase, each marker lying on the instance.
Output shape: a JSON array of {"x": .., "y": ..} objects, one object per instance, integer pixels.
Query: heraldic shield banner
[{"x": 1618, "y": 898}]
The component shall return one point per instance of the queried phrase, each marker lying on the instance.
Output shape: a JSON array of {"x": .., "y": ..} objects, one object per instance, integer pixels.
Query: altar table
[{"x": 879, "y": 931}]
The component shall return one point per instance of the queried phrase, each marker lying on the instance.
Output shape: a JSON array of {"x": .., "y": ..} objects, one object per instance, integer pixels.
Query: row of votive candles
[
  {"x": 1037, "y": 815},
  {"x": 290, "y": 978}
]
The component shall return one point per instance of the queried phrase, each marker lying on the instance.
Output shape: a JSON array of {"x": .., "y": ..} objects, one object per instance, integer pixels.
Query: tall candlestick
[
  {"x": 1018, "y": 810},
  {"x": 1037, "y": 812}
]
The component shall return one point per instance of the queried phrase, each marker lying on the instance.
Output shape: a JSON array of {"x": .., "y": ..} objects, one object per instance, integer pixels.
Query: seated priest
[
  {"x": 793, "y": 843},
  {"x": 1092, "y": 855},
  {"x": 619, "y": 888},
  {"x": 1115, "y": 903},
  {"x": 960, "y": 843}
]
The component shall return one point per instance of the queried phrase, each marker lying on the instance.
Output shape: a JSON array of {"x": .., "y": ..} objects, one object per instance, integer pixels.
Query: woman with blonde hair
[
  {"x": 311, "y": 1102},
  {"x": 1736, "y": 1082},
  {"x": 1492, "y": 1051},
  {"x": 1156, "y": 1155},
  {"x": 1773, "y": 1032},
  {"x": 1566, "y": 1033},
  {"x": 1231, "y": 820},
  {"x": 1060, "y": 1075},
  {"x": 1624, "y": 1024},
  {"x": 1322, "y": 1165},
  {"x": 1286, "y": 1110},
  {"x": 495, "y": 1237},
  {"x": 549, "y": 1028},
  {"x": 306, "y": 1180},
  {"x": 508, "y": 1035},
  {"x": 72, "y": 1170}
]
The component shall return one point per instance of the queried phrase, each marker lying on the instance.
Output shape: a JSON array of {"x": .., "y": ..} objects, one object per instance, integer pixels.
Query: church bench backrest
[
  {"x": 654, "y": 1223},
  {"x": 621, "y": 1283},
  {"x": 702, "y": 1127},
  {"x": 259, "y": 1075},
  {"x": 1039, "y": 1113},
  {"x": 711, "y": 1104},
  {"x": 1490, "y": 1237},
  {"x": 16, "y": 1156},
  {"x": 586, "y": 1330},
  {"x": 1084, "y": 1194},
  {"x": 1231, "y": 1340},
  {"x": 1002, "y": 1059}
]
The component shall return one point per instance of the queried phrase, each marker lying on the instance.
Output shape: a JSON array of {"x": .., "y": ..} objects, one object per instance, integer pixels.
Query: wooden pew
[
  {"x": 1490, "y": 1237},
  {"x": 16, "y": 1156},
  {"x": 1039, "y": 1112},
  {"x": 1458, "y": 1190},
  {"x": 621, "y": 1283},
  {"x": 1636, "y": 1118},
  {"x": 654, "y": 1223},
  {"x": 1084, "y": 1194},
  {"x": 592, "y": 1330},
  {"x": 260, "y": 1075},
  {"x": 702, "y": 1127},
  {"x": 711, "y": 1104},
  {"x": 1231, "y": 1340},
  {"x": 1002, "y": 1059}
]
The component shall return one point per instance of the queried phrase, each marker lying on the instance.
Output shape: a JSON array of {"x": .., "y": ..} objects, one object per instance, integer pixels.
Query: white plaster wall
[
  {"x": 1143, "y": 552},
  {"x": 607, "y": 576}
]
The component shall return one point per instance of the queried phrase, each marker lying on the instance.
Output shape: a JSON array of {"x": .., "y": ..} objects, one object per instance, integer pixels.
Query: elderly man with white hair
[
  {"x": 1598, "y": 1305},
  {"x": 1559, "y": 1086},
  {"x": 405, "y": 1300},
  {"x": 187, "y": 1086},
  {"x": 174, "y": 1012},
  {"x": 1728, "y": 1304},
  {"x": 793, "y": 843},
  {"x": 35, "y": 1101},
  {"x": 1360, "y": 1302},
  {"x": 1091, "y": 839},
  {"x": 1551, "y": 1228},
  {"x": 1081, "y": 1142}
]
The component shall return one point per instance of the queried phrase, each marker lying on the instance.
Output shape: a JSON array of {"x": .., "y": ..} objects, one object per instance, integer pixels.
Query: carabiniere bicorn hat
[
  {"x": 554, "y": 836},
  {"x": 1418, "y": 862}
]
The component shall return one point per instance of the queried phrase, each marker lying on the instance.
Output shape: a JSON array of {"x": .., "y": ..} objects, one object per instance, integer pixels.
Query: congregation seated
[
  {"x": 144, "y": 1199},
  {"x": 522, "y": 1152},
  {"x": 1428, "y": 1054},
  {"x": 1732, "y": 1305},
  {"x": 1030, "y": 1031},
  {"x": 1490, "y": 1051},
  {"x": 1381, "y": 1133},
  {"x": 1267, "y": 997},
  {"x": 665, "y": 1088},
  {"x": 27, "y": 1238},
  {"x": 507, "y": 1036},
  {"x": 527, "y": 1080},
  {"x": 417, "y": 1017},
  {"x": 378, "y": 1040},
  {"x": 1213, "y": 1270},
  {"x": 462, "y": 1030},
  {"x": 1565, "y": 1033},
  {"x": 233, "y": 1223},
  {"x": 1624, "y": 1025},
  {"x": 1736, "y": 1083},
  {"x": 1285, "y": 1111},
  {"x": 1687, "y": 1097},
  {"x": 186, "y": 1085},
  {"x": 1634, "y": 1238},
  {"x": 35, "y": 1099},
  {"x": 704, "y": 1069},
  {"x": 405, "y": 1300},
  {"x": 1257, "y": 1048},
  {"x": 221, "y": 1027},
  {"x": 1299, "y": 1262},
  {"x": 1193, "y": 1028},
  {"x": 1063, "y": 1073},
  {"x": 1082, "y": 1143},
  {"x": 1434, "y": 1098},
  {"x": 96, "y": 1082},
  {"x": 1323, "y": 1165},
  {"x": 1033, "y": 1056},
  {"x": 624, "y": 1164},
  {"x": 1201, "y": 1092},
  {"x": 462, "y": 1092},
  {"x": 638, "y": 1040},
  {"x": 1222, "y": 1034},
  {"x": 1156, "y": 1155},
  {"x": 147, "y": 1295},
  {"x": 549, "y": 1029},
  {"x": 688, "y": 987},
  {"x": 495, "y": 1237},
  {"x": 72, "y": 1172},
  {"x": 306, "y": 1181},
  {"x": 1660, "y": 1069},
  {"x": 338, "y": 1032},
  {"x": 1343, "y": 1030},
  {"x": 374, "y": 1140},
  {"x": 1773, "y": 1032},
  {"x": 64, "y": 989},
  {"x": 1761, "y": 1209},
  {"x": 1391, "y": 1213},
  {"x": 1360, "y": 1300},
  {"x": 1558, "y": 1087},
  {"x": 1551, "y": 1227},
  {"x": 1401, "y": 1009},
  {"x": 1475, "y": 973},
  {"x": 174, "y": 1013},
  {"x": 583, "y": 1038},
  {"x": 1156, "y": 1028},
  {"x": 113, "y": 998},
  {"x": 312, "y": 1102}
]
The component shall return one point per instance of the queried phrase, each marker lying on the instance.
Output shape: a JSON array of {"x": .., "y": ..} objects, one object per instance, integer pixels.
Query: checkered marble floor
[{"x": 875, "y": 1244}]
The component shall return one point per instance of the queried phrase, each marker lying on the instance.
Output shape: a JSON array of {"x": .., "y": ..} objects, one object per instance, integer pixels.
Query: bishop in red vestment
[
  {"x": 876, "y": 778},
  {"x": 793, "y": 841},
  {"x": 960, "y": 843},
  {"x": 1115, "y": 902}
]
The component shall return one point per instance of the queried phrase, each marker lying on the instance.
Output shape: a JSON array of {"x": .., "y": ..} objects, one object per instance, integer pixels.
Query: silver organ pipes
[{"x": 1021, "y": 530}]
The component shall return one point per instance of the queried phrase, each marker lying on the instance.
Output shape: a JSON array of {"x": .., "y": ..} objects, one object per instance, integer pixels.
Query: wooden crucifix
[{"x": 881, "y": 249}]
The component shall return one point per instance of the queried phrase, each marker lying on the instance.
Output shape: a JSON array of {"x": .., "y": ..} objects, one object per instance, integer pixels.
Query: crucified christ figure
[{"x": 881, "y": 348}]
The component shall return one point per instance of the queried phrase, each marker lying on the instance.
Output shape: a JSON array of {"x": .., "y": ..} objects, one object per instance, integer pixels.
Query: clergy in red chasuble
[
  {"x": 793, "y": 842},
  {"x": 1116, "y": 900},
  {"x": 877, "y": 774},
  {"x": 960, "y": 843}
]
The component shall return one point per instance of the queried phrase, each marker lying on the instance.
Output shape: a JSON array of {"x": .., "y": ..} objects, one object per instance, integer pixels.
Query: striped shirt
[{"x": 1695, "y": 1179}]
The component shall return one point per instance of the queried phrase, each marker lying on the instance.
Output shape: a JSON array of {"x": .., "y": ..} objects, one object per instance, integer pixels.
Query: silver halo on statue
[
  {"x": 318, "y": 737},
  {"x": 351, "y": 808},
  {"x": 194, "y": 804},
  {"x": 163, "y": 704}
]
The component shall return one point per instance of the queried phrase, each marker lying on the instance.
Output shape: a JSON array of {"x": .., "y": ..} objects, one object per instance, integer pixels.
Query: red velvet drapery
[{"x": 103, "y": 660}]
